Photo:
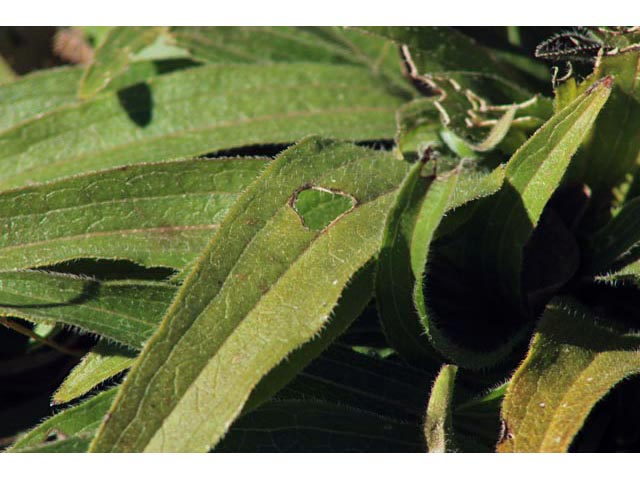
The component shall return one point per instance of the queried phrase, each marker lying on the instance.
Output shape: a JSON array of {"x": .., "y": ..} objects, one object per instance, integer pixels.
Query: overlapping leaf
[
  {"x": 197, "y": 111},
  {"x": 231, "y": 323},
  {"x": 113, "y": 56},
  {"x": 70, "y": 430},
  {"x": 532, "y": 175},
  {"x": 574, "y": 360},
  {"x": 103, "y": 362},
  {"x": 476, "y": 95},
  {"x": 41, "y": 92},
  {"x": 125, "y": 311},
  {"x": 420, "y": 204},
  {"x": 292, "y": 44},
  {"x": 151, "y": 214}
]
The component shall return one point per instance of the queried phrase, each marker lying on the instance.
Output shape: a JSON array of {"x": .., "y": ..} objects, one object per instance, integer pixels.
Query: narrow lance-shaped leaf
[
  {"x": 231, "y": 323},
  {"x": 125, "y": 311},
  {"x": 198, "y": 111},
  {"x": 151, "y": 214},
  {"x": 573, "y": 361},
  {"x": 113, "y": 56},
  {"x": 78, "y": 422},
  {"x": 101, "y": 363},
  {"x": 438, "y": 428},
  {"x": 411, "y": 226},
  {"x": 395, "y": 279},
  {"x": 532, "y": 175}
]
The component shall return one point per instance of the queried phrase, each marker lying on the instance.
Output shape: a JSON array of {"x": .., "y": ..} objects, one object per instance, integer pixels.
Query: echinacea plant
[{"x": 323, "y": 239}]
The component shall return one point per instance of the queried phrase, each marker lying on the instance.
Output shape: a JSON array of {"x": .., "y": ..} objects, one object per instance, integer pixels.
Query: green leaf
[
  {"x": 263, "y": 44},
  {"x": 480, "y": 259},
  {"x": 292, "y": 44},
  {"x": 532, "y": 175},
  {"x": 574, "y": 360},
  {"x": 44, "y": 91},
  {"x": 197, "y": 111},
  {"x": 355, "y": 298},
  {"x": 101, "y": 363},
  {"x": 231, "y": 323},
  {"x": 612, "y": 151},
  {"x": 438, "y": 429},
  {"x": 113, "y": 56},
  {"x": 124, "y": 311},
  {"x": 313, "y": 426},
  {"x": 419, "y": 207},
  {"x": 418, "y": 126},
  {"x": 151, "y": 214},
  {"x": 79, "y": 421},
  {"x": 609, "y": 248},
  {"x": 318, "y": 208}
]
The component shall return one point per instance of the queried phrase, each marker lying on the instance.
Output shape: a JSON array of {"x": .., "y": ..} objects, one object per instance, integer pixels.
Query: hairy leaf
[
  {"x": 573, "y": 361},
  {"x": 125, "y": 311},
  {"x": 44, "y": 91},
  {"x": 438, "y": 429},
  {"x": 353, "y": 301},
  {"x": 419, "y": 207},
  {"x": 151, "y": 214},
  {"x": 196, "y": 111},
  {"x": 231, "y": 323},
  {"x": 101, "y": 363},
  {"x": 532, "y": 175},
  {"x": 75, "y": 423}
]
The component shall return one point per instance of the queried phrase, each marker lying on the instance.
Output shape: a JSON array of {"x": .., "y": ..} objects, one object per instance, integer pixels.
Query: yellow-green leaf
[{"x": 574, "y": 360}]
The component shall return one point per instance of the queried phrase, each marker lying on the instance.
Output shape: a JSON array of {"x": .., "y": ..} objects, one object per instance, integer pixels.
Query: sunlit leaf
[
  {"x": 231, "y": 323},
  {"x": 575, "y": 358},
  {"x": 151, "y": 214},
  {"x": 101, "y": 363},
  {"x": 198, "y": 111},
  {"x": 438, "y": 429}
]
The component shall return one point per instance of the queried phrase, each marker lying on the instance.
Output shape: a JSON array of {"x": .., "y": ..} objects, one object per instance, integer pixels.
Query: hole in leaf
[{"x": 318, "y": 207}]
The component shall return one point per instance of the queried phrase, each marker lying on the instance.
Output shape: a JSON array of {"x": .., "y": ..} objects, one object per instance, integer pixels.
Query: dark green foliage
[{"x": 382, "y": 239}]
